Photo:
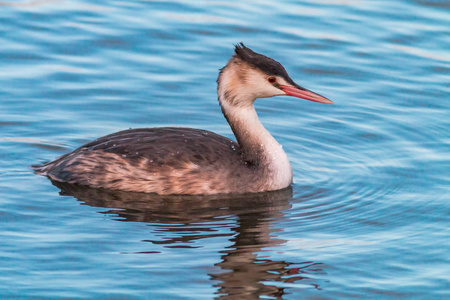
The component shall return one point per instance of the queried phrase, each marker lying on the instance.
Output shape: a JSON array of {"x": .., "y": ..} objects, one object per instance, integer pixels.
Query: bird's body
[
  {"x": 173, "y": 160},
  {"x": 166, "y": 160}
]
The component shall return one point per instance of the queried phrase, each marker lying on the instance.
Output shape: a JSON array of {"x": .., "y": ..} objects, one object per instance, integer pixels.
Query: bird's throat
[{"x": 257, "y": 144}]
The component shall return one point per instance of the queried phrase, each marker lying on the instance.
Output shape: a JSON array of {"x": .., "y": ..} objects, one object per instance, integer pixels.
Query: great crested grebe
[{"x": 171, "y": 160}]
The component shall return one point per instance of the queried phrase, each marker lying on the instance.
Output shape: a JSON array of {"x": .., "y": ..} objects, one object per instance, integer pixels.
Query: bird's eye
[{"x": 271, "y": 79}]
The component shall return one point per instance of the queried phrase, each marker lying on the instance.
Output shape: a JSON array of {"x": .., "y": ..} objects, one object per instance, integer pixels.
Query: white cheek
[
  {"x": 264, "y": 89},
  {"x": 277, "y": 91}
]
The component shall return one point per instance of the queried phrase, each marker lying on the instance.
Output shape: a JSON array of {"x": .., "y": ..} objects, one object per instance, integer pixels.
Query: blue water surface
[{"x": 367, "y": 217}]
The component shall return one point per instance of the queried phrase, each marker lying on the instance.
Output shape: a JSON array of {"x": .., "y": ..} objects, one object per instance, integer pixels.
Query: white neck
[{"x": 258, "y": 146}]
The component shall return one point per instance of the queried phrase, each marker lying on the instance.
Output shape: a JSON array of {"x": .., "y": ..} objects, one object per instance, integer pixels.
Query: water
[{"x": 367, "y": 217}]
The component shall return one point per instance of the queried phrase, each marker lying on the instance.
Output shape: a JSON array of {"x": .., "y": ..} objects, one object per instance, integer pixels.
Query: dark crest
[{"x": 262, "y": 62}]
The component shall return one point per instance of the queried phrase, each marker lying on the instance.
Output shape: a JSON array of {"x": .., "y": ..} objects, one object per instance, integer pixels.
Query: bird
[{"x": 187, "y": 161}]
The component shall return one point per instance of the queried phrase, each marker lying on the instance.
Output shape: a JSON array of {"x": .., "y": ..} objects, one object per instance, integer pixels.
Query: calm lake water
[{"x": 367, "y": 217}]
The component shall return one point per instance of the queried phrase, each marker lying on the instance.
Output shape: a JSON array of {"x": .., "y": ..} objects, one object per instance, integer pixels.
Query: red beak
[{"x": 300, "y": 92}]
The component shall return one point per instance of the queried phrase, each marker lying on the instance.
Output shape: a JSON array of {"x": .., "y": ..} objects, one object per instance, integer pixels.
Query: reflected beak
[{"x": 299, "y": 92}]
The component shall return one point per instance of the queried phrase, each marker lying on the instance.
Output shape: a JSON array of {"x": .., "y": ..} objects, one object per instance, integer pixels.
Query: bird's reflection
[{"x": 245, "y": 272}]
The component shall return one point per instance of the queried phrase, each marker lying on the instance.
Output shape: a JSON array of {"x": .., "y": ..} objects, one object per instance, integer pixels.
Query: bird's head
[{"x": 249, "y": 75}]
